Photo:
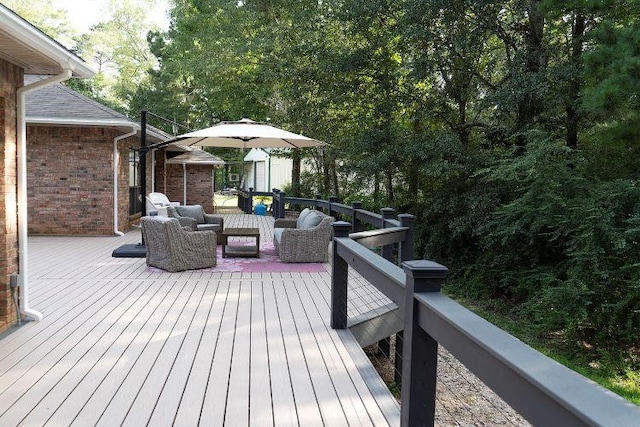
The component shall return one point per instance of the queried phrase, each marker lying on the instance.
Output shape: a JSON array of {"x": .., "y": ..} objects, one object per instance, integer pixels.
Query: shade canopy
[{"x": 246, "y": 133}]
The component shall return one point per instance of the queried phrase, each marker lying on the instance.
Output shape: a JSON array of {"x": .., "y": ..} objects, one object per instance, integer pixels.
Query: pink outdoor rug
[{"x": 267, "y": 263}]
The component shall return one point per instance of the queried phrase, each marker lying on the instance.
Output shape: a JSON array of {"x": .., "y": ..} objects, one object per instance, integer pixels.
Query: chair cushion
[
  {"x": 311, "y": 220},
  {"x": 277, "y": 234},
  {"x": 192, "y": 211},
  {"x": 302, "y": 216},
  {"x": 214, "y": 227}
]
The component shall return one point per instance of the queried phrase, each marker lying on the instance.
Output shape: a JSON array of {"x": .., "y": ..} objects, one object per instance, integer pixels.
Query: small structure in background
[
  {"x": 196, "y": 160},
  {"x": 265, "y": 169}
]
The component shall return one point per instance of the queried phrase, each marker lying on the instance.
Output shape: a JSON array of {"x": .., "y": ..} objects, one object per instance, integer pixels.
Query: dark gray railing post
[
  {"x": 406, "y": 247},
  {"x": 357, "y": 224},
  {"x": 274, "y": 202},
  {"x": 420, "y": 352},
  {"x": 332, "y": 199},
  {"x": 339, "y": 279},
  {"x": 249, "y": 202},
  {"x": 281, "y": 204},
  {"x": 387, "y": 213},
  {"x": 405, "y": 254}
]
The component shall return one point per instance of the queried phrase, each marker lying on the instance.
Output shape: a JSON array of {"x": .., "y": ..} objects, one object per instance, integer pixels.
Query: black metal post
[
  {"x": 420, "y": 352},
  {"x": 142, "y": 160},
  {"x": 339, "y": 279}
]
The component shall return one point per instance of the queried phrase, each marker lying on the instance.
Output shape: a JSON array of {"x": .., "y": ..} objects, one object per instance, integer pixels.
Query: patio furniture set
[{"x": 181, "y": 238}]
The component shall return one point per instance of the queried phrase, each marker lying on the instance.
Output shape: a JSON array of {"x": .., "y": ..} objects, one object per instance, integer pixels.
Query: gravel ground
[{"x": 461, "y": 398}]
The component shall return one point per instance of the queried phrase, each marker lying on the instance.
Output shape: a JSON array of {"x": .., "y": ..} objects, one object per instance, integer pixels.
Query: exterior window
[{"x": 135, "y": 201}]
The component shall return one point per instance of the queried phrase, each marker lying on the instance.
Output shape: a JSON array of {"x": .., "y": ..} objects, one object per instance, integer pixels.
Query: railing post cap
[
  {"x": 341, "y": 224},
  {"x": 425, "y": 269},
  {"x": 407, "y": 217},
  {"x": 341, "y": 228},
  {"x": 387, "y": 210}
]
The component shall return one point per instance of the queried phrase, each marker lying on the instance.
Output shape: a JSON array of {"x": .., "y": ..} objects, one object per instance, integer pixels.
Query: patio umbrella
[
  {"x": 194, "y": 157},
  {"x": 246, "y": 133}
]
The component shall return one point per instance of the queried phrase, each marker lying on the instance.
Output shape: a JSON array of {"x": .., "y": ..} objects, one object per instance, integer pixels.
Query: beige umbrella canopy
[
  {"x": 246, "y": 133},
  {"x": 194, "y": 157}
]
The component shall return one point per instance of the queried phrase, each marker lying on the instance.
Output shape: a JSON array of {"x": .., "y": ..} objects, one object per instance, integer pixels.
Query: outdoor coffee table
[{"x": 239, "y": 250}]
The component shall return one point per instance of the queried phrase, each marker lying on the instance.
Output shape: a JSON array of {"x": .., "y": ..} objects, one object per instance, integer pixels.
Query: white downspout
[
  {"x": 22, "y": 187},
  {"x": 184, "y": 184},
  {"x": 153, "y": 170},
  {"x": 116, "y": 163}
]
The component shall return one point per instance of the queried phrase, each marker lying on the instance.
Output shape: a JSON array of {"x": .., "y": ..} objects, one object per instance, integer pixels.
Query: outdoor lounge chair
[
  {"x": 194, "y": 217},
  {"x": 172, "y": 248},
  {"x": 305, "y": 239},
  {"x": 159, "y": 202}
]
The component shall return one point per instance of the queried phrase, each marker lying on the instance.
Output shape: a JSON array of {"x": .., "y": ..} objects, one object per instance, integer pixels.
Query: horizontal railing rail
[{"x": 540, "y": 389}]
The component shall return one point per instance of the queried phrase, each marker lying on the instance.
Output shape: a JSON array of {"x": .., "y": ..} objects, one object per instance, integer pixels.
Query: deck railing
[
  {"x": 540, "y": 389},
  {"x": 360, "y": 218}
]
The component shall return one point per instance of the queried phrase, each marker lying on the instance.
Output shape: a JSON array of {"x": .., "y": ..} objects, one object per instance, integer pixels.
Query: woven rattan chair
[
  {"x": 305, "y": 239},
  {"x": 194, "y": 216},
  {"x": 172, "y": 248}
]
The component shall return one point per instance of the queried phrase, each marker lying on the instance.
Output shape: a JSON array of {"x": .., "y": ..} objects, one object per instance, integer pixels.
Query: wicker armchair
[
  {"x": 194, "y": 217},
  {"x": 172, "y": 248},
  {"x": 305, "y": 239}
]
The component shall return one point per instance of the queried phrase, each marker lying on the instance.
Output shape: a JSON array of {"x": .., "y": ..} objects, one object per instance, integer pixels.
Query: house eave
[
  {"x": 121, "y": 125},
  {"x": 26, "y": 46}
]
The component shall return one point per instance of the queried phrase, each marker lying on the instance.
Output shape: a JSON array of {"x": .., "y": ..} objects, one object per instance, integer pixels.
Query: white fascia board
[{"x": 25, "y": 33}]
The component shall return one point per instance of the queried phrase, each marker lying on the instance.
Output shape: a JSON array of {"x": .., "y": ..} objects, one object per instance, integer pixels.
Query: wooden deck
[{"x": 120, "y": 345}]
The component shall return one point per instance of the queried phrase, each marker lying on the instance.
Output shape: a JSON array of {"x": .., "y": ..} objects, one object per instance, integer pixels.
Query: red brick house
[
  {"x": 75, "y": 187},
  {"x": 23, "y": 48}
]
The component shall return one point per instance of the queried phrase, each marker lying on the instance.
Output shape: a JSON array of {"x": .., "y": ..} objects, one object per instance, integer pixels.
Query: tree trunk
[
  {"x": 389, "y": 183},
  {"x": 529, "y": 105},
  {"x": 326, "y": 175},
  {"x": 295, "y": 173},
  {"x": 334, "y": 177},
  {"x": 577, "y": 36}
]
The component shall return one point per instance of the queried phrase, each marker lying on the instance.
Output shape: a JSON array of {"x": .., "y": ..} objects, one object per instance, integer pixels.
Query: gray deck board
[{"x": 120, "y": 345}]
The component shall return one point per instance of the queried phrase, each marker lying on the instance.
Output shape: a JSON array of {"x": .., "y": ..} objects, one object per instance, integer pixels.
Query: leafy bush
[{"x": 559, "y": 249}]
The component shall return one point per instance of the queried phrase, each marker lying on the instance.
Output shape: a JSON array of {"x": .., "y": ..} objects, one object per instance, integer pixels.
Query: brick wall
[
  {"x": 70, "y": 180},
  {"x": 11, "y": 78},
  {"x": 199, "y": 183}
]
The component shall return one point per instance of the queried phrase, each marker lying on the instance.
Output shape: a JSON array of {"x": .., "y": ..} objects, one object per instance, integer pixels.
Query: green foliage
[{"x": 559, "y": 249}]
